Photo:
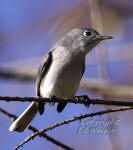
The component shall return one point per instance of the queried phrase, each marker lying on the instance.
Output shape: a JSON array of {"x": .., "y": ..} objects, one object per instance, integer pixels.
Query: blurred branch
[
  {"x": 76, "y": 100},
  {"x": 111, "y": 91},
  {"x": 101, "y": 51},
  {"x": 33, "y": 129},
  {"x": 7, "y": 74},
  {"x": 66, "y": 122}
]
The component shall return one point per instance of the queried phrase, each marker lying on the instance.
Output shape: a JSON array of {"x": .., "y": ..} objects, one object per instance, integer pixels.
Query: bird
[{"x": 60, "y": 72}]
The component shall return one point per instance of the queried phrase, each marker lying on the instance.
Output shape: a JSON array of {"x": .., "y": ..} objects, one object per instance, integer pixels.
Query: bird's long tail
[{"x": 24, "y": 120}]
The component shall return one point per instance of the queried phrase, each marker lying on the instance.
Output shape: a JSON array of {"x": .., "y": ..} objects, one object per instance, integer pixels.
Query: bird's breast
[{"x": 63, "y": 78}]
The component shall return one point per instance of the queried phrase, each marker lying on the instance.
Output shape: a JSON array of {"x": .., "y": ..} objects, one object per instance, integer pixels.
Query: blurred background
[{"x": 28, "y": 29}]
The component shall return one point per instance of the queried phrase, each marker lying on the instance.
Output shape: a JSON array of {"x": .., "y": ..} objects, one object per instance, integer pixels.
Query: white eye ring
[{"x": 87, "y": 33}]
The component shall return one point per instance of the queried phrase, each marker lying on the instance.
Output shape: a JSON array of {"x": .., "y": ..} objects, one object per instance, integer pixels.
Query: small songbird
[{"x": 60, "y": 72}]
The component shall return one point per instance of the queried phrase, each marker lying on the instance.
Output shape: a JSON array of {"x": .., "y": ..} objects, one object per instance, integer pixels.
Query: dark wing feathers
[
  {"x": 83, "y": 69},
  {"x": 43, "y": 69}
]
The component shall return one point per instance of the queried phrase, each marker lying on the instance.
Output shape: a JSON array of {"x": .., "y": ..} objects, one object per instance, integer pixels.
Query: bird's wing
[{"x": 43, "y": 69}]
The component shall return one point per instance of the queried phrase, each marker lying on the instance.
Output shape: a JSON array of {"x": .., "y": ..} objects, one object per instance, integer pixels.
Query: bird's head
[{"x": 82, "y": 39}]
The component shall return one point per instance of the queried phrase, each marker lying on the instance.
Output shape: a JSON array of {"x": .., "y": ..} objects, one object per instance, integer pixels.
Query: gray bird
[{"x": 60, "y": 72}]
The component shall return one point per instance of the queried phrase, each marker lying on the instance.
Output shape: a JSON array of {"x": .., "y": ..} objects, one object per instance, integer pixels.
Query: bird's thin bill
[{"x": 104, "y": 37}]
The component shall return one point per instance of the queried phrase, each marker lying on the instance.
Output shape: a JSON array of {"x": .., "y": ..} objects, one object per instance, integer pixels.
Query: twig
[
  {"x": 77, "y": 100},
  {"x": 66, "y": 122},
  {"x": 33, "y": 129}
]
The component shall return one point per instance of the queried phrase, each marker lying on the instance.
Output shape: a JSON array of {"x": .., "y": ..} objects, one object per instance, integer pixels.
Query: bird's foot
[
  {"x": 85, "y": 98},
  {"x": 51, "y": 99}
]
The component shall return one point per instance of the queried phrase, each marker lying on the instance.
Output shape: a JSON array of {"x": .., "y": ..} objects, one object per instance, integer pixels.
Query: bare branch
[
  {"x": 68, "y": 121},
  {"x": 33, "y": 129},
  {"x": 76, "y": 100}
]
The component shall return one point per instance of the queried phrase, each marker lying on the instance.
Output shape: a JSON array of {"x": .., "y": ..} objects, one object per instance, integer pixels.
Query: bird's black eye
[{"x": 87, "y": 33}]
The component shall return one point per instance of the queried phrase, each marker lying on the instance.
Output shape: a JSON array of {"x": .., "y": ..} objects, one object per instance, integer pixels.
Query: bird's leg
[{"x": 52, "y": 98}]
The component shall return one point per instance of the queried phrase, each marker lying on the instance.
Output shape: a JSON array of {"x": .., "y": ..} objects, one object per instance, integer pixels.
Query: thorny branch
[
  {"x": 68, "y": 121},
  {"x": 76, "y": 100},
  {"x": 33, "y": 129}
]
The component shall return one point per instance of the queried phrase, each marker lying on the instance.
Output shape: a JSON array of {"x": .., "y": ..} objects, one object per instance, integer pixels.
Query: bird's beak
[{"x": 104, "y": 37}]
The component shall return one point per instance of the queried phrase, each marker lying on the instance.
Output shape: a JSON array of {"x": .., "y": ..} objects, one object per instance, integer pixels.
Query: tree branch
[
  {"x": 33, "y": 129},
  {"x": 68, "y": 121},
  {"x": 76, "y": 100}
]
